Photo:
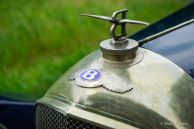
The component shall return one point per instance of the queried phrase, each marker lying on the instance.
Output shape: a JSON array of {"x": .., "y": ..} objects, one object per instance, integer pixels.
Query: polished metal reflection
[{"x": 162, "y": 95}]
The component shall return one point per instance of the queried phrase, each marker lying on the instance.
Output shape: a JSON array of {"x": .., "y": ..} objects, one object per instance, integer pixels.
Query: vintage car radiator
[
  {"x": 123, "y": 86},
  {"x": 48, "y": 118}
]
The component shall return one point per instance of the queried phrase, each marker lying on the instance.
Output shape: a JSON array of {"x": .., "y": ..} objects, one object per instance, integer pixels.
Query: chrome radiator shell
[{"x": 162, "y": 96}]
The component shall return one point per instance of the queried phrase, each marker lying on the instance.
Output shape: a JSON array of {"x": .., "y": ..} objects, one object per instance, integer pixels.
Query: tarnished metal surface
[
  {"x": 162, "y": 95},
  {"x": 105, "y": 75},
  {"x": 126, "y": 50}
]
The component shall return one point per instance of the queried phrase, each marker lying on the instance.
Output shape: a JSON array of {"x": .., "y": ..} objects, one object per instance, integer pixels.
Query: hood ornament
[
  {"x": 119, "y": 48},
  {"x": 115, "y": 22}
]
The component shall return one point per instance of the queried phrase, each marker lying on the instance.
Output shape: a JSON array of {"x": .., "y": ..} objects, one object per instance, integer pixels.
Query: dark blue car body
[{"x": 178, "y": 45}]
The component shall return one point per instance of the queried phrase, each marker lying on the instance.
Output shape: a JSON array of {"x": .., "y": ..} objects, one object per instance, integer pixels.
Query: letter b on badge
[{"x": 90, "y": 74}]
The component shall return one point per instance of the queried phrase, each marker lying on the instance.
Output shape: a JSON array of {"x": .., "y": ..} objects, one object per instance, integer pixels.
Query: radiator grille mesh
[{"x": 47, "y": 118}]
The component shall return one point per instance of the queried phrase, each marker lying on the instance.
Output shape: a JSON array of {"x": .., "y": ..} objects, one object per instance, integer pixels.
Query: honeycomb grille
[{"x": 48, "y": 118}]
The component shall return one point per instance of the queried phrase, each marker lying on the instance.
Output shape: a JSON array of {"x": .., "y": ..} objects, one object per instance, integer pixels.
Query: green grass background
[{"x": 41, "y": 39}]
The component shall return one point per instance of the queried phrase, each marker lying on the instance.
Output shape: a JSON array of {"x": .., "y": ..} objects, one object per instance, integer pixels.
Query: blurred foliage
[{"x": 41, "y": 39}]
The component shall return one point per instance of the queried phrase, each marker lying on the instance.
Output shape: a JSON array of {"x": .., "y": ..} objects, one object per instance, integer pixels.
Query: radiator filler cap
[{"x": 119, "y": 47}]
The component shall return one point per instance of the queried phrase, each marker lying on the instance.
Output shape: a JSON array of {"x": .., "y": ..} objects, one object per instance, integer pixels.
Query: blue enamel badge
[{"x": 90, "y": 74}]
